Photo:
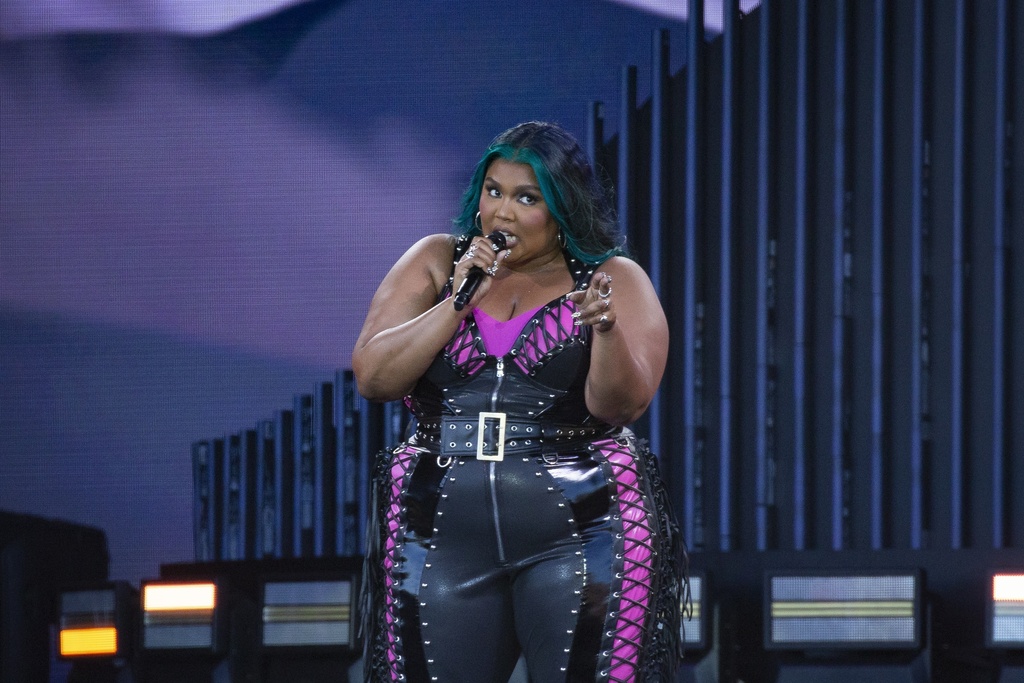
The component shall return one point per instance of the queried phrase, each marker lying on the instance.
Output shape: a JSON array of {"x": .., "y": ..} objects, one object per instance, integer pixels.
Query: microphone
[{"x": 472, "y": 281}]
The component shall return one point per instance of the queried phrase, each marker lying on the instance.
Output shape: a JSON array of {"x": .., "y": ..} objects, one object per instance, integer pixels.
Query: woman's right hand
[{"x": 482, "y": 254}]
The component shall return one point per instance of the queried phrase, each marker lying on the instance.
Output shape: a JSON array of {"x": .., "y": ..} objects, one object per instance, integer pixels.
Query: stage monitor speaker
[
  {"x": 843, "y": 611},
  {"x": 1005, "y": 623},
  {"x": 700, "y": 657},
  {"x": 197, "y": 631},
  {"x": 846, "y": 626}
]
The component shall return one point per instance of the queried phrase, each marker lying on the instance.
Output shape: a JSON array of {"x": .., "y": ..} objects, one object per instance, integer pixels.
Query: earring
[
  {"x": 478, "y": 223},
  {"x": 561, "y": 239}
]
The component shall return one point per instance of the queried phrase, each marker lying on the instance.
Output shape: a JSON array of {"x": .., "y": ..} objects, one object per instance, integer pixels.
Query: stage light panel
[
  {"x": 94, "y": 622},
  {"x": 180, "y": 615},
  {"x": 692, "y": 628},
  {"x": 86, "y": 642},
  {"x": 843, "y": 611},
  {"x": 1006, "y": 611},
  {"x": 311, "y": 613}
]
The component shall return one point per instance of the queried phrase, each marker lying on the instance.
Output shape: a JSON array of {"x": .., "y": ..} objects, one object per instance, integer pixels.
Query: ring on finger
[
  {"x": 493, "y": 268},
  {"x": 604, "y": 295},
  {"x": 607, "y": 303},
  {"x": 603, "y": 319}
]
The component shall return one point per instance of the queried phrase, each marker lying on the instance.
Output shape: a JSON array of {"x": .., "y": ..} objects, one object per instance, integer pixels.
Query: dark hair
[{"x": 576, "y": 198}]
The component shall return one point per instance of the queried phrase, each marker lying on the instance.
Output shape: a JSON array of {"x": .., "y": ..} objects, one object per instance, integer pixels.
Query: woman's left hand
[{"x": 595, "y": 305}]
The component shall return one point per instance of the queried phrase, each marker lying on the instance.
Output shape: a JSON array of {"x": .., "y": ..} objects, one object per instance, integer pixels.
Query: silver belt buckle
[{"x": 485, "y": 450}]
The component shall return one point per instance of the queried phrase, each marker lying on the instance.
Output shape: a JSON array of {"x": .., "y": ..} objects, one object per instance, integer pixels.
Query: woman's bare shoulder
[
  {"x": 625, "y": 267},
  {"x": 428, "y": 259}
]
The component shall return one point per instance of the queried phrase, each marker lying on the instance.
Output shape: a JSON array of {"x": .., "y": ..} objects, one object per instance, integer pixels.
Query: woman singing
[{"x": 522, "y": 517}]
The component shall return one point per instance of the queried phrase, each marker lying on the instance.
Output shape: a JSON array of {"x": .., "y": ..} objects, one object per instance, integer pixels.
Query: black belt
[{"x": 492, "y": 436}]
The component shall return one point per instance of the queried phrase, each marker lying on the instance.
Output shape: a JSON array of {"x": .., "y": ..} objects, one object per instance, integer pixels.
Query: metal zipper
[
  {"x": 491, "y": 472},
  {"x": 499, "y": 371},
  {"x": 494, "y": 508}
]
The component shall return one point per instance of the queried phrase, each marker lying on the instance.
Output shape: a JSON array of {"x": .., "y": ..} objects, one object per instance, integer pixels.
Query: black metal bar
[
  {"x": 800, "y": 280},
  {"x": 840, "y": 273},
  {"x": 691, "y": 226},
  {"x": 918, "y": 228},
  {"x": 879, "y": 234},
  {"x": 956, "y": 426},
  {"x": 1000, "y": 448},
  {"x": 763, "y": 469},
  {"x": 730, "y": 134}
]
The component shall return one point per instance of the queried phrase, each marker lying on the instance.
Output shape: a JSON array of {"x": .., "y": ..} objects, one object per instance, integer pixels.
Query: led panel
[
  {"x": 843, "y": 611},
  {"x": 179, "y": 616},
  {"x": 88, "y": 623},
  {"x": 1006, "y": 611},
  {"x": 309, "y": 613},
  {"x": 92, "y": 622},
  {"x": 692, "y": 628}
]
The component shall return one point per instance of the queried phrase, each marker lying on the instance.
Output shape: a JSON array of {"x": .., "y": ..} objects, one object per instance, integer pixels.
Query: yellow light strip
[
  {"x": 1008, "y": 587},
  {"x": 178, "y": 597},
  {"x": 852, "y": 609},
  {"x": 78, "y": 642}
]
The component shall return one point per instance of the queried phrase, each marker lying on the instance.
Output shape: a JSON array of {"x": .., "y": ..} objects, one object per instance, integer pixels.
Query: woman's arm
[
  {"x": 406, "y": 327},
  {"x": 630, "y": 348}
]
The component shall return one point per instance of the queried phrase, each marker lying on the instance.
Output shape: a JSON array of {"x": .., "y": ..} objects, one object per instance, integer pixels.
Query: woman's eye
[
  {"x": 528, "y": 199},
  {"x": 493, "y": 192}
]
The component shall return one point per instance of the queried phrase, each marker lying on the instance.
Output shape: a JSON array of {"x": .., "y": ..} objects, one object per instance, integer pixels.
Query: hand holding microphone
[{"x": 476, "y": 274}]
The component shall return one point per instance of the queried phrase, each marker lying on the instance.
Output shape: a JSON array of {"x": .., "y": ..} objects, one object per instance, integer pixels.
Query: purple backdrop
[{"x": 191, "y": 227}]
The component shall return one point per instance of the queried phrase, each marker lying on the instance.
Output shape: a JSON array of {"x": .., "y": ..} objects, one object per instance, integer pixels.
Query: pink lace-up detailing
[
  {"x": 466, "y": 350},
  {"x": 400, "y": 466},
  {"x": 637, "y": 576},
  {"x": 553, "y": 329}
]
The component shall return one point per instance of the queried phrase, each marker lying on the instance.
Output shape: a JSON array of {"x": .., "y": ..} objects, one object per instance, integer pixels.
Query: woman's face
[{"x": 511, "y": 201}]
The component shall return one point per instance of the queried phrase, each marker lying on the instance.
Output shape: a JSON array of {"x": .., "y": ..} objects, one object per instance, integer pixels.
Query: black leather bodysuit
[{"x": 514, "y": 522}]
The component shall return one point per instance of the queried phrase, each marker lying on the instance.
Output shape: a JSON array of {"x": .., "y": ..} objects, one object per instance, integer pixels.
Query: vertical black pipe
[
  {"x": 918, "y": 227},
  {"x": 763, "y": 470},
  {"x": 1001, "y": 255},
  {"x": 800, "y": 281},
  {"x": 840, "y": 273},
  {"x": 879, "y": 233},
  {"x": 730, "y": 58},
  {"x": 691, "y": 226},
  {"x": 956, "y": 426}
]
